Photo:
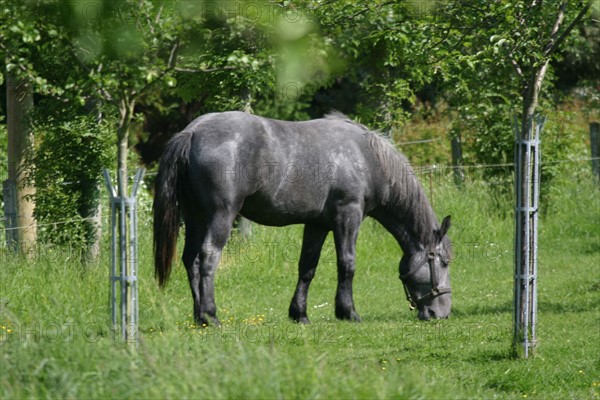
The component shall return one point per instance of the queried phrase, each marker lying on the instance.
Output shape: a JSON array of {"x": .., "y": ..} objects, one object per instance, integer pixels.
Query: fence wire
[{"x": 443, "y": 171}]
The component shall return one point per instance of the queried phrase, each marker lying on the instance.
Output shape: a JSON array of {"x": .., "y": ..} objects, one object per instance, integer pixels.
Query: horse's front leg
[
  {"x": 312, "y": 243},
  {"x": 345, "y": 235}
]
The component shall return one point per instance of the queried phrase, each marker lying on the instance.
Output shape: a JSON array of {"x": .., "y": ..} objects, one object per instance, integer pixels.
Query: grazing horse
[{"x": 328, "y": 174}]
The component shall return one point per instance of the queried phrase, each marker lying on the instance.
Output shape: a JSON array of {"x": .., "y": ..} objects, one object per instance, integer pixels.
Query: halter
[{"x": 435, "y": 290}]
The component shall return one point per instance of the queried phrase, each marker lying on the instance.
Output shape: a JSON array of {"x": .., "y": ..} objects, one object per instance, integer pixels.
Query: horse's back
[{"x": 278, "y": 172}]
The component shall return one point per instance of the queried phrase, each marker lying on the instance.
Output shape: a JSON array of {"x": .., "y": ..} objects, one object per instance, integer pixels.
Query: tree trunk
[
  {"x": 126, "y": 114},
  {"x": 525, "y": 228},
  {"x": 19, "y": 99}
]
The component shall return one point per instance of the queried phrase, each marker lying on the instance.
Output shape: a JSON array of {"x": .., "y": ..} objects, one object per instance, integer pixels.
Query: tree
[
  {"x": 128, "y": 48},
  {"x": 119, "y": 58},
  {"x": 19, "y": 188},
  {"x": 531, "y": 68},
  {"x": 523, "y": 39},
  {"x": 37, "y": 52}
]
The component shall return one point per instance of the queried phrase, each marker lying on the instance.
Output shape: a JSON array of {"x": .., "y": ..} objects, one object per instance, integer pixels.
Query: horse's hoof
[
  {"x": 300, "y": 320},
  {"x": 352, "y": 316},
  {"x": 207, "y": 320}
]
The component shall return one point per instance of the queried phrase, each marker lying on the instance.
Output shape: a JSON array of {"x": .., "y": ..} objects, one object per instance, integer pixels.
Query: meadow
[{"x": 55, "y": 340}]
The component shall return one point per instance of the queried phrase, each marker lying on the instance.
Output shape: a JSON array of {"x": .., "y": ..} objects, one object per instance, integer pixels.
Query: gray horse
[{"x": 328, "y": 174}]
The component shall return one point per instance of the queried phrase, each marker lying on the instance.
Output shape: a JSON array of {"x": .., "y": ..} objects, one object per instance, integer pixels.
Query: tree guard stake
[
  {"x": 124, "y": 247},
  {"x": 527, "y": 193}
]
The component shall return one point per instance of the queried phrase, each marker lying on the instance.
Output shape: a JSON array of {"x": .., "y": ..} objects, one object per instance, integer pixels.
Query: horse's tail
[{"x": 167, "y": 200}]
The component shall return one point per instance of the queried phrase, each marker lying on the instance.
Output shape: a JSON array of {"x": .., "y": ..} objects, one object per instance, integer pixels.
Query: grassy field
[{"x": 55, "y": 340}]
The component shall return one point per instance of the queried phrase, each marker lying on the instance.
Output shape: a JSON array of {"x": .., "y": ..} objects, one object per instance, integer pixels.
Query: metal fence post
[
  {"x": 527, "y": 190},
  {"x": 124, "y": 248}
]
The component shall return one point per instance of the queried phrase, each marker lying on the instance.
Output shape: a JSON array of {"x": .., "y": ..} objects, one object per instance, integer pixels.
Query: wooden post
[
  {"x": 94, "y": 223},
  {"x": 459, "y": 175},
  {"x": 19, "y": 101},
  {"x": 595, "y": 145},
  {"x": 9, "y": 194}
]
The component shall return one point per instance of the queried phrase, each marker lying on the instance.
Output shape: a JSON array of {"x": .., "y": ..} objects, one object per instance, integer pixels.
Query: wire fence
[{"x": 429, "y": 175}]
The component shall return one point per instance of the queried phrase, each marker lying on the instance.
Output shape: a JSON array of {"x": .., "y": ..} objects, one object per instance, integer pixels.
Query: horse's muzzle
[{"x": 426, "y": 313}]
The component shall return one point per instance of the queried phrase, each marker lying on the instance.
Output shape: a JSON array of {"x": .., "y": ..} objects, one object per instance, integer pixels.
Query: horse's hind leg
[
  {"x": 204, "y": 244},
  {"x": 345, "y": 234},
  {"x": 312, "y": 243}
]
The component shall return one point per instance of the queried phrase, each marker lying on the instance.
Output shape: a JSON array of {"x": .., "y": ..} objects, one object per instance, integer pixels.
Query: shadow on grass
[
  {"x": 563, "y": 308},
  {"x": 482, "y": 309},
  {"x": 494, "y": 355},
  {"x": 543, "y": 306}
]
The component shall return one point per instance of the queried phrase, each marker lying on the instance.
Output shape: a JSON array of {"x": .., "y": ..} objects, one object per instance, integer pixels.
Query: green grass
[{"x": 55, "y": 340}]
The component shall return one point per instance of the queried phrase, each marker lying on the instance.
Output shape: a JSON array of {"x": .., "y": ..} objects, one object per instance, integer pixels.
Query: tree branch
[
  {"x": 173, "y": 55},
  {"x": 367, "y": 9},
  {"x": 158, "y": 15},
  {"x": 555, "y": 42},
  {"x": 194, "y": 71},
  {"x": 453, "y": 47},
  {"x": 559, "y": 19},
  {"x": 515, "y": 65},
  {"x": 443, "y": 39}
]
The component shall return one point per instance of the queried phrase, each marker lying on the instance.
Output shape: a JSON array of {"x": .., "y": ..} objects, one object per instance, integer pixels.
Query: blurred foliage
[
  {"x": 151, "y": 66},
  {"x": 381, "y": 44}
]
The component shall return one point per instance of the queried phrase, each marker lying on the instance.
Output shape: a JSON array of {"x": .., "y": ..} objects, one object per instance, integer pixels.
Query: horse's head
[{"x": 426, "y": 277}]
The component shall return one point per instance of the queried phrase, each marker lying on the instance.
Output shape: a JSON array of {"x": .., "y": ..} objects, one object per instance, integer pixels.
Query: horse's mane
[{"x": 406, "y": 197}]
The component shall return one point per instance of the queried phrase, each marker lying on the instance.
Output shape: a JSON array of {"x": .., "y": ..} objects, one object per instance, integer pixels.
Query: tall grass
[{"x": 55, "y": 339}]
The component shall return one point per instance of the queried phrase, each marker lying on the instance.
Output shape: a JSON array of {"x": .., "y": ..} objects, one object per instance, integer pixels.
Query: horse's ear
[{"x": 445, "y": 227}]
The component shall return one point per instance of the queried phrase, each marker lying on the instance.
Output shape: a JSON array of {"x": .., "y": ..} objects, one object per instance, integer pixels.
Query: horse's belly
[{"x": 279, "y": 212}]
